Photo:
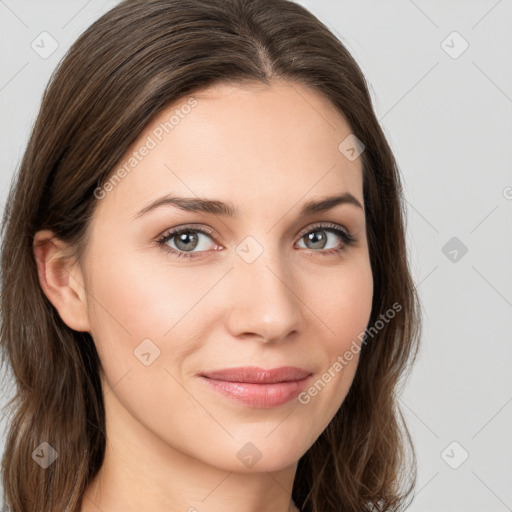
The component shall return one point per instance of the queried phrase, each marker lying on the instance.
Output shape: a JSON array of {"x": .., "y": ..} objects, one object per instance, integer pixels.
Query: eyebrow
[{"x": 215, "y": 207}]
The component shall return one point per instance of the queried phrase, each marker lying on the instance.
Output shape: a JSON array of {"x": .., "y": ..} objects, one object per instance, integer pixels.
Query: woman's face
[{"x": 266, "y": 287}]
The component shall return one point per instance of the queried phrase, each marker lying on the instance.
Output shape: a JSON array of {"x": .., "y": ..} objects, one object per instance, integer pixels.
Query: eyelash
[{"x": 348, "y": 239}]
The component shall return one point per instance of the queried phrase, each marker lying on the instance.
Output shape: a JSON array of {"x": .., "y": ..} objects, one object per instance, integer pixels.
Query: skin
[{"x": 172, "y": 442}]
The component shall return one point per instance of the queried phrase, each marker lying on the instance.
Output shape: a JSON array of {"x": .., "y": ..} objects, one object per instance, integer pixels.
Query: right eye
[{"x": 185, "y": 240}]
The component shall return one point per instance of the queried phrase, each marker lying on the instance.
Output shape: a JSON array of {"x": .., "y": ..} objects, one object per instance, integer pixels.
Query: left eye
[
  {"x": 187, "y": 239},
  {"x": 319, "y": 237}
]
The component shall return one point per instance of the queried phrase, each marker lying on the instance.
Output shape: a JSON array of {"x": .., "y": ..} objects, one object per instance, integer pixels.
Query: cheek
[
  {"x": 141, "y": 332},
  {"x": 344, "y": 303},
  {"x": 140, "y": 298},
  {"x": 343, "y": 308},
  {"x": 146, "y": 313}
]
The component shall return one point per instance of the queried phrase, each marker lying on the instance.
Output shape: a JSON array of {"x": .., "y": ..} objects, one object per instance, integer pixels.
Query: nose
[{"x": 265, "y": 299}]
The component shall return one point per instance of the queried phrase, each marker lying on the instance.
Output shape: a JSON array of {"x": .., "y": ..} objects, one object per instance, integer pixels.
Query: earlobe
[{"x": 61, "y": 279}]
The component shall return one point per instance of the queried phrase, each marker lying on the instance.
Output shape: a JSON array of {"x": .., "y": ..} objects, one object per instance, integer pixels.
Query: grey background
[{"x": 449, "y": 122}]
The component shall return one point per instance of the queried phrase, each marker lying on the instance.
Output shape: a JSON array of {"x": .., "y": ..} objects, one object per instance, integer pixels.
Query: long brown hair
[{"x": 122, "y": 71}]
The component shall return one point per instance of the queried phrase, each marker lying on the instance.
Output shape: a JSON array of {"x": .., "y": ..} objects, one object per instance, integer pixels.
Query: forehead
[{"x": 245, "y": 144}]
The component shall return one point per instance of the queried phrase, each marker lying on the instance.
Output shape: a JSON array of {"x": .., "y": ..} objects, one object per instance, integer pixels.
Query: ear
[{"x": 62, "y": 280}]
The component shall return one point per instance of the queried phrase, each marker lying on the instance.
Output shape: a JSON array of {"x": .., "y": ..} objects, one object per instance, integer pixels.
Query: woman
[{"x": 206, "y": 299}]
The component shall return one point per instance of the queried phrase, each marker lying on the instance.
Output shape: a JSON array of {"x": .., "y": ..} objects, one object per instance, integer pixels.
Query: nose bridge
[{"x": 264, "y": 300}]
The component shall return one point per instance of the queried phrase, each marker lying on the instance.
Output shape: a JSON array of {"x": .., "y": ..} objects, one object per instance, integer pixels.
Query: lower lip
[{"x": 262, "y": 396}]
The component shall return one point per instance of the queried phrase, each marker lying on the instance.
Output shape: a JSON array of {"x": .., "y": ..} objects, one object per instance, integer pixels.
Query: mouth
[{"x": 258, "y": 387}]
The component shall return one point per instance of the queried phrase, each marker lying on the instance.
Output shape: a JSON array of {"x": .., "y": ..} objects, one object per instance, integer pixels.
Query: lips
[
  {"x": 258, "y": 387},
  {"x": 255, "y": 375}
]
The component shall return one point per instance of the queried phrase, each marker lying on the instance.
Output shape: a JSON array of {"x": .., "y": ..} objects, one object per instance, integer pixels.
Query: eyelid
[
  {"x": 193, "y": 227},
  {"x": 324, "y": 225}
]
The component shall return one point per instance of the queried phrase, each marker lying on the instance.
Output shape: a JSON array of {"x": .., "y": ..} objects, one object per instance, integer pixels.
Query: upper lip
[{"x": 256, "y": 375}]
